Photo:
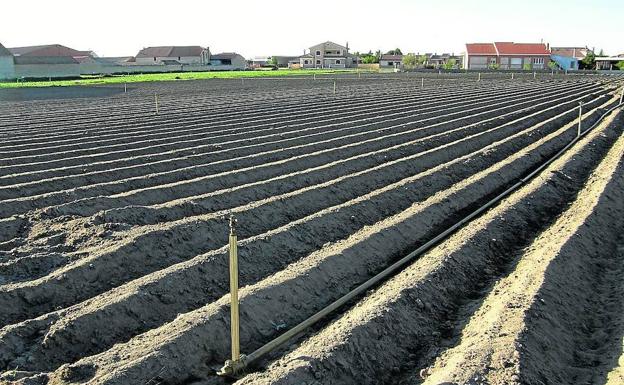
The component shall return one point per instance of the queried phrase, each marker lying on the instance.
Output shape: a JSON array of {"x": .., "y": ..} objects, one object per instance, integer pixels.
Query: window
[
  {"x": 492, "y": 60},
  {"x": 305, "y": 62},
  {"x": 390, "y": 63},
  {"x": 318, "y": 62},
  {"x": 179, "y": 57},
  {"x": 318, "y": 53},
  {"x": 337, "y": 61},
  {"x": 538, "y": 60},
  {"x": 339, "y": 52},
  {"x": 154, "y": 58}
]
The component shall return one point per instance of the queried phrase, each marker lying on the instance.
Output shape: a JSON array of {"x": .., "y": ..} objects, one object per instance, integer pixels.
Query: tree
[
  {"x": 410, "y": 60},
  {"x": 273, "y": 61},
  {"x": 527, "y": 66},
  {"x": 449, "y": 65},
  {"x": 422, "y": 60},
  {"x": 589, "y": 61},
  {"x": 369, "y": 58},
  {"x": 552, "y": 65},
  {"x": 620, "y": 65},
  {"x": 396, "y": 51}
]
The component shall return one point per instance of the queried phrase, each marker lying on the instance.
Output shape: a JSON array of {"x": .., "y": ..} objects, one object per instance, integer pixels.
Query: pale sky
[{"x": 264, "y": 28}]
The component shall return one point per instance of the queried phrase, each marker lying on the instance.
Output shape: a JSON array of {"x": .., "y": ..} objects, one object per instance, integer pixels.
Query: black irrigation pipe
[{"x": 233, "y": 368}]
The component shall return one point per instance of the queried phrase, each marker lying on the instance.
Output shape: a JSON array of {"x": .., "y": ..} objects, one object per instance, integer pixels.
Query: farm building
[
  {"x": 173, "y": 55},
  {"x": 506, "y": 55},
  {"x": 568, "y": 58},
  {"x": 328, "y": 55},
  {"x": 50, "y": 50},
  {"x": 259, "y": 61},
  {"x": 46, "y": 61},
  {"x": 229, "y": 61},
  {"x": 391, "y": 61},
  {"x": 609, "y": 63}
]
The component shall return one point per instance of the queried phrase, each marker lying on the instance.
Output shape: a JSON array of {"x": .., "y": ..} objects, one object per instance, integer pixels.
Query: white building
[
  {"x": 173, "y": 55},
  {"x": 228, "y": 61},
  {"x": 328, "y": 55},
  {"x": 391, "y": 61}
]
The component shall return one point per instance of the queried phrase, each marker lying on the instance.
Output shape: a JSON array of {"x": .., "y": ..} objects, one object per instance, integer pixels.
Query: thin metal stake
[
  {"x": 125, "y": 87},
  {"x": 479, "y": 79},
  {"x": 622, "y": 95},
  {"x": 534, "y": 74},
  {"x": 314, "y": 75},
  {"x": 422, "y": 83},
  {"x": 156, "y": 101},
  {"x": 579, "y": 120},
  {"x": 334, "y": 87},
  {"x": 512, "y": 76}
]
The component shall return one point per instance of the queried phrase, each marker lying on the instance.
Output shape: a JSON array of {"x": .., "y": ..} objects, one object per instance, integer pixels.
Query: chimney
[{"x": 347, "y": 46}]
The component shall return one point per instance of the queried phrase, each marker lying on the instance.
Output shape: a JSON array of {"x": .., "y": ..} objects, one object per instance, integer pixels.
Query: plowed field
[{"x": 114, "y": 231}]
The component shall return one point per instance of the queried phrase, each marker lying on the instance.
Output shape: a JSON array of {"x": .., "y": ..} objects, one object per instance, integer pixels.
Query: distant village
[{"x": 58, "y": 61}]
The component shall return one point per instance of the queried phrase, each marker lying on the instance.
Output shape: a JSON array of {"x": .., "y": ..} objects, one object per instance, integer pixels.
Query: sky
[{"x": 265, "y": 28}]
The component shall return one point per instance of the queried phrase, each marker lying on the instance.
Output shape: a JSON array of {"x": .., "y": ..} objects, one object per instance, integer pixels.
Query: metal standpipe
[{"x": 237, "y": 364}]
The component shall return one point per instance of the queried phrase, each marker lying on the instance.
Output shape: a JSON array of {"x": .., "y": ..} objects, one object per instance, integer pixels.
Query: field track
[{"x": 113, "y": 231}]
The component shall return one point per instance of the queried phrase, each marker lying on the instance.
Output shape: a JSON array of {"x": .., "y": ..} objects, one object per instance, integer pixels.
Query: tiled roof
[
  {"x": 170, "y": 51},
  {"x": 508, "y": 48},
  {"x": 392, "y": 57},
  {"x": 49, "y": 50},
  {"x": 225, "y": 55},
  {"x": 575, "y": 52},
  {"x": 480, "y": 49}
]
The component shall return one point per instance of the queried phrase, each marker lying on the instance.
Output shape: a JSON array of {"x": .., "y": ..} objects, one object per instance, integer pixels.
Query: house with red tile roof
[{"x": 507, "y": 55}]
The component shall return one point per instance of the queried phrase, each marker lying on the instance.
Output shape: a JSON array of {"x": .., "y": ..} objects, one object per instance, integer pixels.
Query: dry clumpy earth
[{"x": 113, "y": 231}]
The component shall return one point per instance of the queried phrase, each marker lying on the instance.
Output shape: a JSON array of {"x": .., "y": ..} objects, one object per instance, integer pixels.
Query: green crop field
[{"x": 116, "y": 79}]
